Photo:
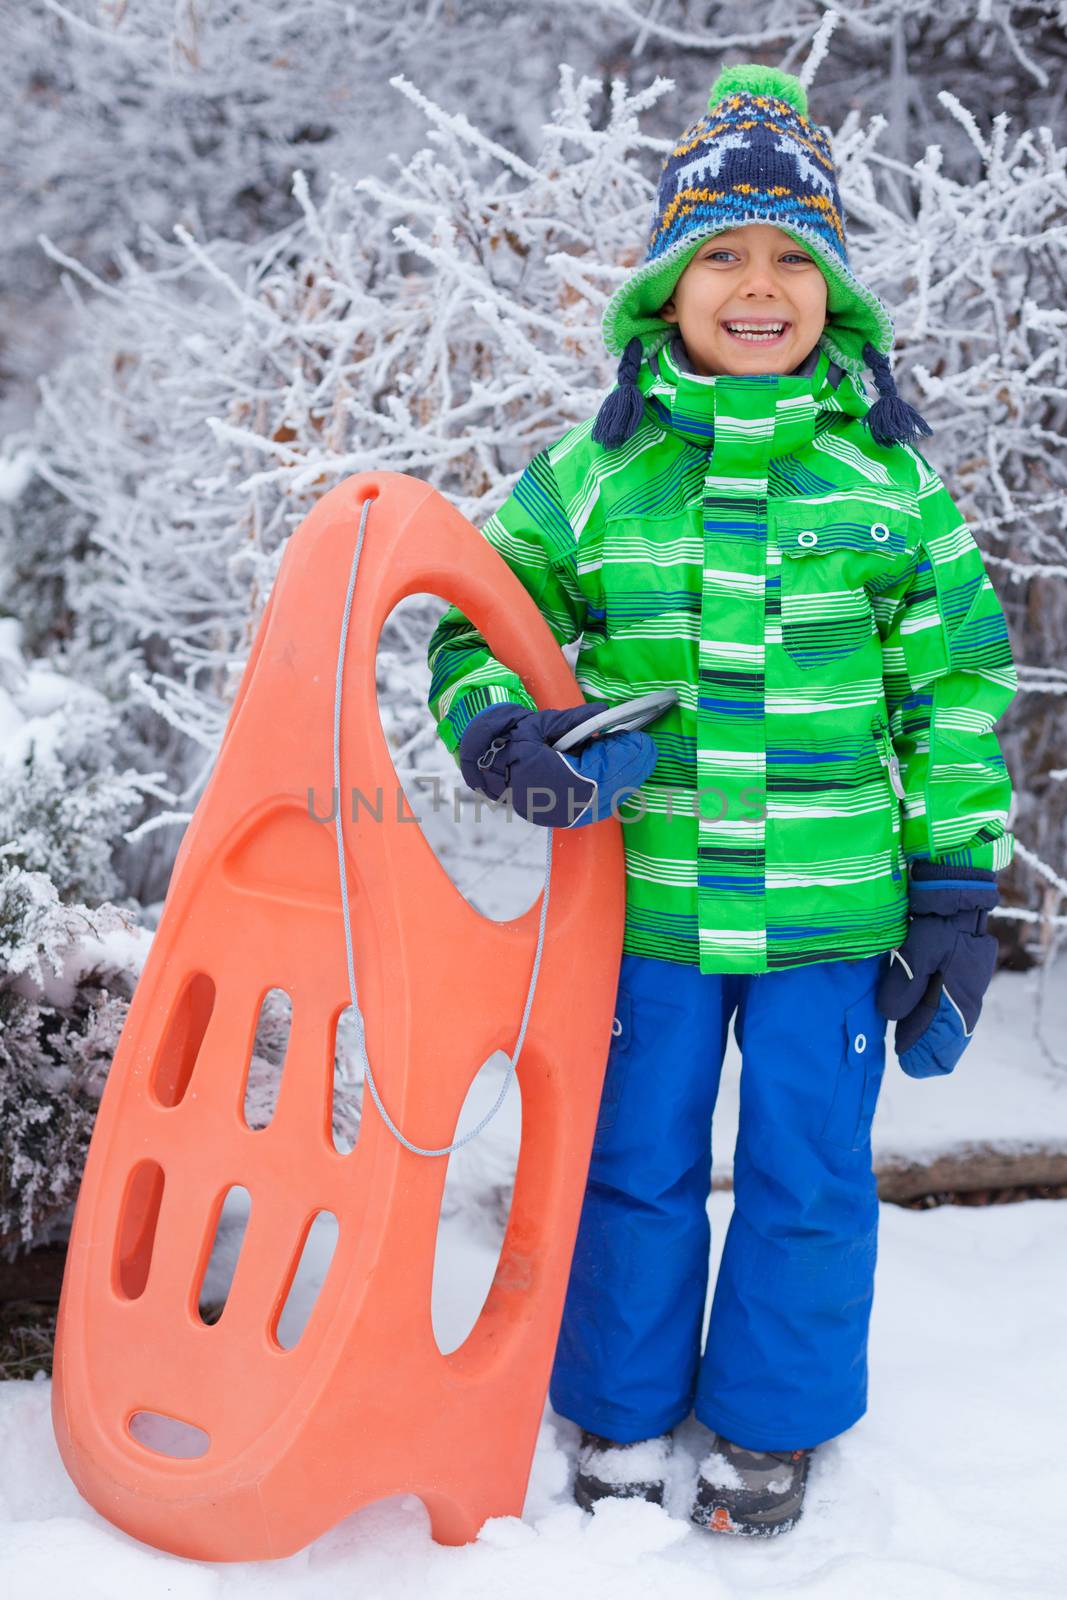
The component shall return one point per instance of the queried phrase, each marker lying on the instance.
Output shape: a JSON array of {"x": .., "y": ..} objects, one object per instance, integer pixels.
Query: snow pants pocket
[
  {"x": 615, "y": 1072},
  {"x": 859, "y": 1075}
]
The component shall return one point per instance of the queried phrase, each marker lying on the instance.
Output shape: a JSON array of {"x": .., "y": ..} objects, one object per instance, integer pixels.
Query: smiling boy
[
  {"x": 740, "y": 524},
  {"x": 755, "y": 277}
]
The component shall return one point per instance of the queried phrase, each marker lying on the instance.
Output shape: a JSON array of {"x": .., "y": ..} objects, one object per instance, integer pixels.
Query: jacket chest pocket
[{"x": 831, "y": 558}]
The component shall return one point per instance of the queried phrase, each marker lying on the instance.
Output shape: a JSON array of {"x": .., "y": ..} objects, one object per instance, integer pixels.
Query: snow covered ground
[{"x": 951, "y": 1488}]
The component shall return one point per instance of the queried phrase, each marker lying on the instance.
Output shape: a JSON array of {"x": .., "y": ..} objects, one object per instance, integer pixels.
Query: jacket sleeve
[
  {"x": 533, "y": 534},
  {"x": 949, "y": 674}
]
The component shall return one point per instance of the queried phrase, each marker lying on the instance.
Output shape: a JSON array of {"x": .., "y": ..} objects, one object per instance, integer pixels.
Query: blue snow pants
[{"x": 784, "y": 1365}]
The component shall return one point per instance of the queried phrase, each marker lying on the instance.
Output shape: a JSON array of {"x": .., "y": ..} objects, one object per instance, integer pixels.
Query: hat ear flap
[
  {"x": 620, "y": 415},
  {"x": 890, "y": 420}
]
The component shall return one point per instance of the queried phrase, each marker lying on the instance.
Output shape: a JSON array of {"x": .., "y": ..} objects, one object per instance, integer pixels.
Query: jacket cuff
[
  {"x": 489, "y": 723},
  {"x": 463, "y": 711}
]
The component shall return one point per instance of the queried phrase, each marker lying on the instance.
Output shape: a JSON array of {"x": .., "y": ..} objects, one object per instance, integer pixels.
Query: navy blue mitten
[
  {"x": 936, "y": 980},
  {"x": 509, "y": 747}
]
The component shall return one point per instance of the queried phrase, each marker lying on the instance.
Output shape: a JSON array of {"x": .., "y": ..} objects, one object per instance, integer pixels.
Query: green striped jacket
[{"x": 839, "y": 654}]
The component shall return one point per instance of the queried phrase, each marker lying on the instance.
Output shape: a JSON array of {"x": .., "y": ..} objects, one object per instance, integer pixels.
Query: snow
[
  {"x": 15, "y": 473},
  {"x": 951, "y": 1488},
  {"x": 720, "y": 1473},
  {"x": 34, "y": 700},
  {"x": 644, "y": 1461}
]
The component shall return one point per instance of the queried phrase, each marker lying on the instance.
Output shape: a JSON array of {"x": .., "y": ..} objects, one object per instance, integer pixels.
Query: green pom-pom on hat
[{"x": 750, "y": 77}]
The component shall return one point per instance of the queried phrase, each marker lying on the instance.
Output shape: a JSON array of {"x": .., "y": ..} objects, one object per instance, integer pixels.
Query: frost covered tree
[
  {"x": 120, "y": 115},
  {"x": 446, "y": 323},
  {"x": 440, "y": 316},
  {"x": 122, "y": 112}
]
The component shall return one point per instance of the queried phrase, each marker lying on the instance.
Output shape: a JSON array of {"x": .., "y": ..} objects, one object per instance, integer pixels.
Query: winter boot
[
  {"x": 621, "y": 1471},
  {"x": 749, "y": 1491}
]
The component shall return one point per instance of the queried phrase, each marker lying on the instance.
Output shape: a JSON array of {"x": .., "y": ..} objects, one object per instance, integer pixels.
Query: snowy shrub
[
  {"x": 64, "y": 985},
  {"x": 66, "y": 977},
  {"x": 62, "y": 804}
]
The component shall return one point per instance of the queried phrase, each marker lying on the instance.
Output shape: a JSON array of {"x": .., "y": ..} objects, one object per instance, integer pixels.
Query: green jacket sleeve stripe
[
  {"x": 533, "y": 535},
  {"x": 949, "y": 674}
]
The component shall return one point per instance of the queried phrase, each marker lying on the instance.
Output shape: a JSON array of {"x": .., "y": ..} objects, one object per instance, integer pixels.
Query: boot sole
[
  {"x": 589, "y": 1491},
  {"x": 744, "y": 1530}
]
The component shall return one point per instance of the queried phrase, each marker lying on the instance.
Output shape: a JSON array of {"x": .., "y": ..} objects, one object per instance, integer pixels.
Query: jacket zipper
[{"x": 888, "y": 756}]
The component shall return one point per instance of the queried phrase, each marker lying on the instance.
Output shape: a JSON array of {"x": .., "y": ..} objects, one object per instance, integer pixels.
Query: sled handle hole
[
  {"x": 304, "y": 1283},
  {"x": 346, "y": 1096},
  {"x": 184, "y": 1035},
  {"x": 263, "y": 1077},
  {"x": 231, "y": 1225},
  {"x": 136, "y": 1235},
  {"x": 168, "y": 1436}
]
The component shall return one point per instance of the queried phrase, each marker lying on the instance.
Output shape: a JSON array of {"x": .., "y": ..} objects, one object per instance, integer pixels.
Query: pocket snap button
[
  {"x": 616, "y": 1026},
  {"x": 861, "y": 1043},
  {"x": 807, "y": 538},
  {"x": 879, "y": 531}
]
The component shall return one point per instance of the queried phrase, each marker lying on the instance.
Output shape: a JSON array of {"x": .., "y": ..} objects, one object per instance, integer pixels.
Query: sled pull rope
[{"x": 513, "y": 1061}]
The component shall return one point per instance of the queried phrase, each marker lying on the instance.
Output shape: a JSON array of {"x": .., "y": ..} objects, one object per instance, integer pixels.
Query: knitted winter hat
[{"x": 755, "y": 157}]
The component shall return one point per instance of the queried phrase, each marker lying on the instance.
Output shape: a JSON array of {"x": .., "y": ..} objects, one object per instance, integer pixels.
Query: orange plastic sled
[{"x": 364, "y": 1405}]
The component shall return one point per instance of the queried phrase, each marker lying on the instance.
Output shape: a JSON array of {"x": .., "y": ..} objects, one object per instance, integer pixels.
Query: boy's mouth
[{"x": 748, "y": 330}]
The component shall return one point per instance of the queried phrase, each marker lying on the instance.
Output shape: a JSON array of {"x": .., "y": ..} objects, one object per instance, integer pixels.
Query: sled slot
[
  {"x": 269, "y": 1049},
  {"x": 184, "y": 1036},
  {"x": 479, "y": 1181},
  {"x": 346, "y": 1104},
  {"x": 231, "y": 1225},
  {"x": 306, "y": 1280},
  {"x": 168, "y": 1436},
  {"x": 137, "y": 1229}
]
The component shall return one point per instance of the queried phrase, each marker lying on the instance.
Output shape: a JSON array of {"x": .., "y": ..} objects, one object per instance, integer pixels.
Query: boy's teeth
[{"x": 741, "y": 332}]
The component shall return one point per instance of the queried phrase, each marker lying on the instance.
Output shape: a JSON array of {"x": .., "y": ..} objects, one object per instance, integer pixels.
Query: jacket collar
[{"x": 785, "y": 409}]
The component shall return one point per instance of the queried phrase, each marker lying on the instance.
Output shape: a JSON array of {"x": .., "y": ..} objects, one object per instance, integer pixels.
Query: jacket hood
[{"x": 787, "y": 409}]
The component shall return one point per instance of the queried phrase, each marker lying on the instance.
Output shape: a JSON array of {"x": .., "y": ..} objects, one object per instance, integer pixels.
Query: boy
[{"x": 741, "y": 525}]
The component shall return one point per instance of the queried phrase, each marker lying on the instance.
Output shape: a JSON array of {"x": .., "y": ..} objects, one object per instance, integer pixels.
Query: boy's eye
[{"x": 795, "y": 254}]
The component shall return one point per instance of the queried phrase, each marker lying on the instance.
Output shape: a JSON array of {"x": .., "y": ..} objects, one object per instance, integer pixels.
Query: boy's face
[{"x": 748, "y": 274}]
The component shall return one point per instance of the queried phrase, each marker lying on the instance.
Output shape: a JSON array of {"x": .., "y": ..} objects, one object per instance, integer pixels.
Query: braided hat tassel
[
  {"x": 890, "y": 420},
  {"x": 620, "y": 414}
]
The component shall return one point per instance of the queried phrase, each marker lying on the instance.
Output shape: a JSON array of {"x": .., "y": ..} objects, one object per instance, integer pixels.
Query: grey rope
[{"x": 513, "y": 1061}]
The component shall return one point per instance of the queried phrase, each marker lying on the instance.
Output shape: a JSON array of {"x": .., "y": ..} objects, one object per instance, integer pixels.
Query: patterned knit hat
[{"x": 754, "y": 157}]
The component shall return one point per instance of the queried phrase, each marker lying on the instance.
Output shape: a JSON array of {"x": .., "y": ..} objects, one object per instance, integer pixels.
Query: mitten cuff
[
  {"x": 941, "y": 890},
  {"x": 924, "y": 869},
  {"x": 482, "y": 731}
]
